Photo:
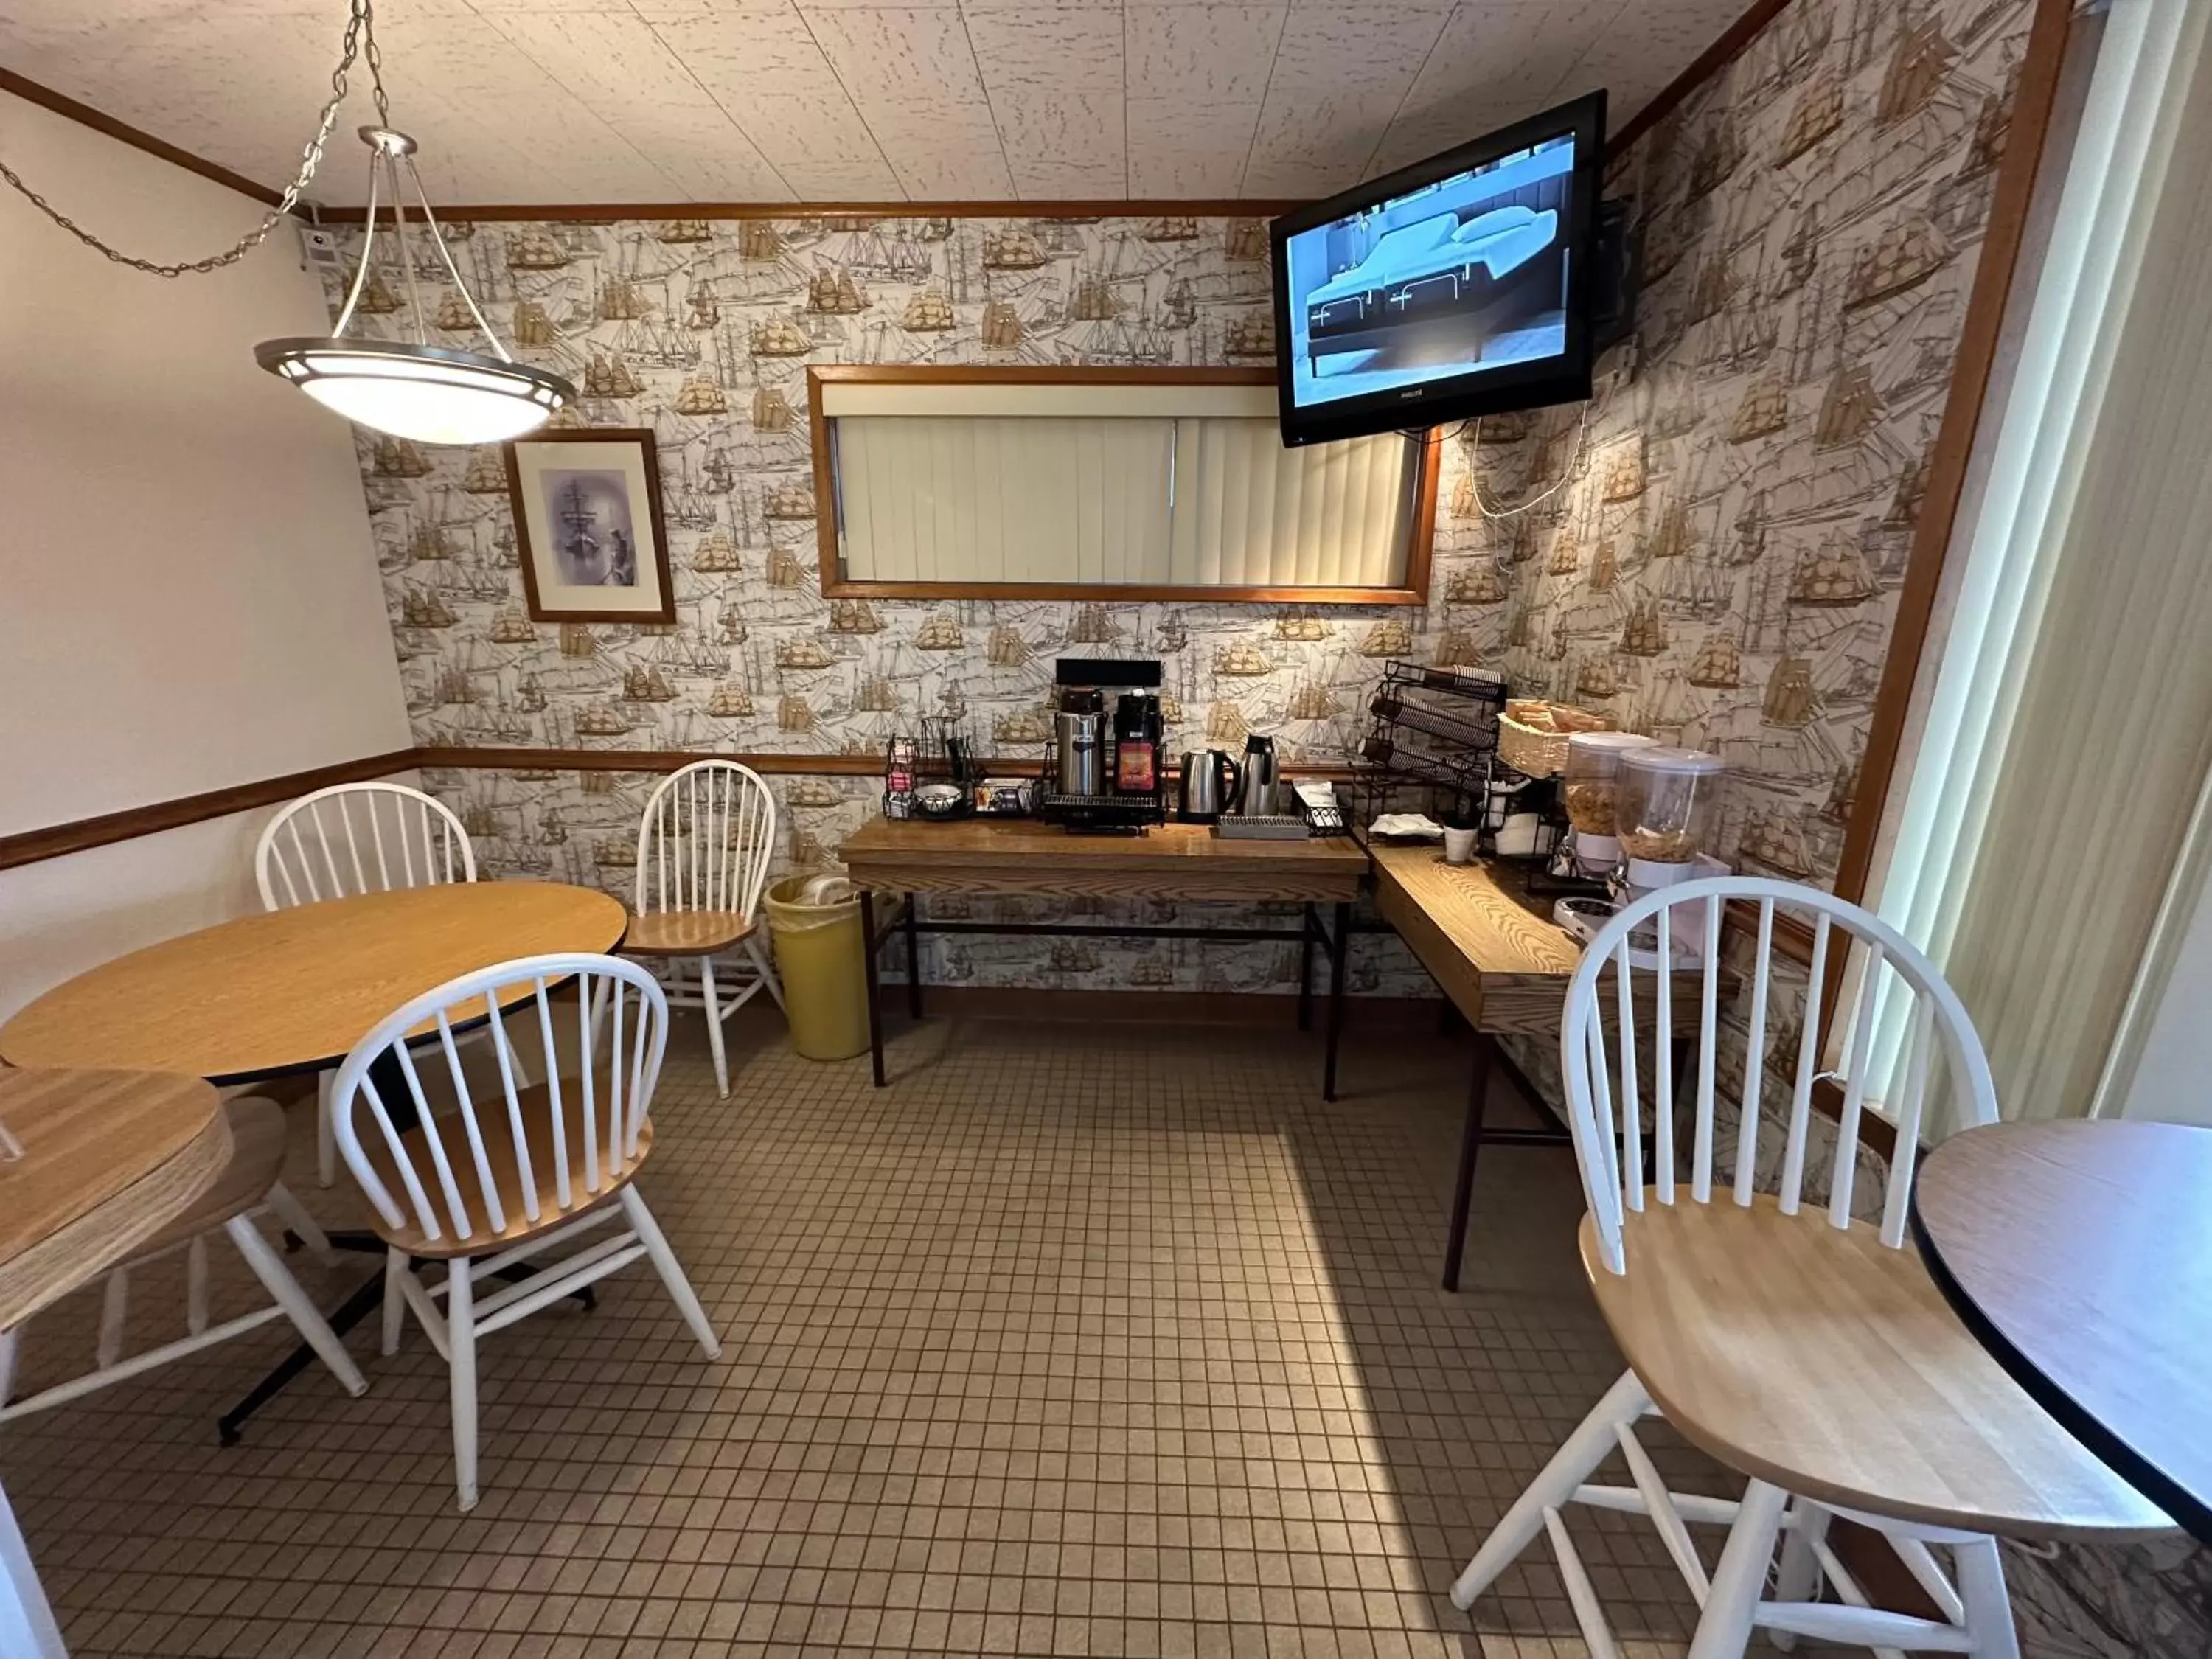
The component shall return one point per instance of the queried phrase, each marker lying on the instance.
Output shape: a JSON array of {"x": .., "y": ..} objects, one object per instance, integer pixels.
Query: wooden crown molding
[
  {"x": 33, "y": 92},
  {"x": 481, "y": 213}
]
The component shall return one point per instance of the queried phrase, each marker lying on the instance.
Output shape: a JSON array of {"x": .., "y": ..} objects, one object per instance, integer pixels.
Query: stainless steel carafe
[
  {"x": 1264, "y": 795},
  {"x": 1211, "y": 785},
  {"x": 1082, "y": 754}
]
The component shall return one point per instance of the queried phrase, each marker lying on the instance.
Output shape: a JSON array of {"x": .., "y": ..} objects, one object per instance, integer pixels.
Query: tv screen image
[{"x": 1458, "y": 285}]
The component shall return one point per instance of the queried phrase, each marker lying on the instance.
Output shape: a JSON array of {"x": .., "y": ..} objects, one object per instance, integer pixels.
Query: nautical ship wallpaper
[{"x": 1719, "y": 563}]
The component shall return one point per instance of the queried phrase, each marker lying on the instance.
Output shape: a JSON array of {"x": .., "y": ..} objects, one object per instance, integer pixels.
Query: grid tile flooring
[{"x": 1079, "y": 1339}]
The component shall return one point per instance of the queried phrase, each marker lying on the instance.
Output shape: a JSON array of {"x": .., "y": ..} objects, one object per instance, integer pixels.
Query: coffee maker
[{"x": 1105, "y": 773}]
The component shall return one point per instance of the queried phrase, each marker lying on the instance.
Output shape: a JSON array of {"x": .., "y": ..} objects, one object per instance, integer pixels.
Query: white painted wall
[{"x": 188, "y": 593}]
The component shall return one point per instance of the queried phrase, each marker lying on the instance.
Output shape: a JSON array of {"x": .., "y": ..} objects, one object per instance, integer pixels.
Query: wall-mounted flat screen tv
[{"x": 1458, "y": 286}]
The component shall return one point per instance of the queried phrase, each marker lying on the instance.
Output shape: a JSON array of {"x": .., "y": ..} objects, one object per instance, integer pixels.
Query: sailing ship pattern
[{"x": 1687, "y": 557}]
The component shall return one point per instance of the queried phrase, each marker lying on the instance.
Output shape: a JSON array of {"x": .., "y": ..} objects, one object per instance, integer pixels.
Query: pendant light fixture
[{"x": 432, "y": 394}]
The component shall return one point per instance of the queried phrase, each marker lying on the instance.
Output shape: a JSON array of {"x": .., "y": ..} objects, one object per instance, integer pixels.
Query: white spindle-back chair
[
  {"x": 360, "y": 838},
  {"x": 1804, "y": 1348},
  {"x": 350, "y": 839},
  {"x": 704, "y": 845},
  {"x": 248, "y": 1186},
  {"x": 509, "y": 1170}
]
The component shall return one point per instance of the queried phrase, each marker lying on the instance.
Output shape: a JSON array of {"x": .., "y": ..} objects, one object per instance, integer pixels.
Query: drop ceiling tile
[
  {"x": 616, "y": 66},
  {"x": 1179, "y": 148},
  {"x": 1416, "y": 138},
  {"x": 1203, "y": 54},
  {"x": 942, "y": 150},
  {"x": 768, "y": 74},
  {"x": 1338, "y": 81},
  {"x": 1059, "y": 49},
  {"x": 1528, "y": 46},
  {"x": 885, "y": 54},
  {"x": 1063, "y": 145}
]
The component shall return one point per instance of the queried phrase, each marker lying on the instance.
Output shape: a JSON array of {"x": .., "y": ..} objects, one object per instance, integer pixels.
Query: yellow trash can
[{"x": 816, "y": 923}]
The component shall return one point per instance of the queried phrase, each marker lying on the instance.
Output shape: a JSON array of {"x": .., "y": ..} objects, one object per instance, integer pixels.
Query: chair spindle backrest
[
  {"x": 600, "y": 1109},
  {"x": 360, "y": 838},
  {"x": 1604, "y": 1082},
  {"x": 705, "y": 840}
]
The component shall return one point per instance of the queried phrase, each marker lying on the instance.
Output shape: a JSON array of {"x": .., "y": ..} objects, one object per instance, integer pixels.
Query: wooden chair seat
[
  {"x": 685, "y": 933},
  {"x": 1824, "y": 1362},
  {"x": 507, "y": 1174},
  {"x": 256, "y": 1158}
]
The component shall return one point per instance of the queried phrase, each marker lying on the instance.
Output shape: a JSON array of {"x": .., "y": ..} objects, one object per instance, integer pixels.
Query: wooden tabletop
[
  {"x": 107, "y": 1158},
  {"x": 1493, "y": 948},
  {"x": 2081, "y": 1253},
  {"x": 1170, "y": 860},
  {"x": 294, "y": 990}
]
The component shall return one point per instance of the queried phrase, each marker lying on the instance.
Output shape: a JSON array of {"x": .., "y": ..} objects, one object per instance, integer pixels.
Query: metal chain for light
[{"x": 360, "y": 43}]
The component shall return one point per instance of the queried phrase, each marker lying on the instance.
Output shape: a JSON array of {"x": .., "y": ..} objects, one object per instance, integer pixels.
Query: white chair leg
[
  {"x": 758, "y": 949},
  {"x": 276, "y": 1278},
  {"x": 326, "y": 1133},
  {"x": 1724, "y": 1627},
  {"x": 26, "y": 1623},
  {"x": 1799, "y": 1577},
  {"x": 671, "y": 1270},
  {"x": 714, "y": 1028},
  {"x": 1989, "y": 1608},
  {"x": 301, "y": 1225},
  {"x": 1593, "y": 1441},
  {"x": 396, "y": 1267},
  {"x": 461, "y": 1359}
]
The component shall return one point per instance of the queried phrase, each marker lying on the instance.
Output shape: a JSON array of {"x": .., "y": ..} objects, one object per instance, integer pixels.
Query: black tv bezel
[{"x": 1563, "y": 378}]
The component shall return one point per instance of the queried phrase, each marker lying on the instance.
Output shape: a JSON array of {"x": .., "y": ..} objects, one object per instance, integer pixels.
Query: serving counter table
[
  {"x": 999, "y": 857},
  {"x": 1500, "y": 959}
]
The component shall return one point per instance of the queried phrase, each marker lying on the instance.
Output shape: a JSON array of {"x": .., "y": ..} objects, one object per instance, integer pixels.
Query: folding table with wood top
[{"x": 1180, "y": 861}]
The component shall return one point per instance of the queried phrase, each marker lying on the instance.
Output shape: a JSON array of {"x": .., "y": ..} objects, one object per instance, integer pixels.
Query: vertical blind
[{"x": 1175, "y": 486}]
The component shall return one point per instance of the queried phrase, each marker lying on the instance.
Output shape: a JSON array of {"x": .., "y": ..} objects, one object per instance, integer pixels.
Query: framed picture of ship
[{"x": 587, "y": 517}]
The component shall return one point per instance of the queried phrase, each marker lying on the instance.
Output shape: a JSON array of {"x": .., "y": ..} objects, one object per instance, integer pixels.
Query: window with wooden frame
[{"x": 1074, "y": 482}]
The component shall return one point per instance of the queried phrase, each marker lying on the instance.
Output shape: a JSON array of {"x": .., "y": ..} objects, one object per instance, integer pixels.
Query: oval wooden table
[
  {"x": 92, "y": 1164},
  {"x": 2080, "y": 1254},
  {"x": 292, "y": 991}
]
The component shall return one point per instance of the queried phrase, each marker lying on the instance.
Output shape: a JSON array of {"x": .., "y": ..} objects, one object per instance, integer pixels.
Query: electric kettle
[{"x": 1211, "y": 785}]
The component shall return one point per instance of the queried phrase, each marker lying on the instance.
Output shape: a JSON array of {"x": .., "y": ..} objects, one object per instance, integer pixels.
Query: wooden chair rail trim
[{"x": 81, "y": 834}]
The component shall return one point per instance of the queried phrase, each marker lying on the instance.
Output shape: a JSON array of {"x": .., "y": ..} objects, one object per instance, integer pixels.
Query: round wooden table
[
  {"x": 92, "y": 1164},
  {"x": 2081, "y": 1254},
  {"x": 294, "y": 990}
]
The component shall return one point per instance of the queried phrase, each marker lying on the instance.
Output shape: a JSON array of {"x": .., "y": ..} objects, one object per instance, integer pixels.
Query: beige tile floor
[{"x": 1079, "y": 1339}]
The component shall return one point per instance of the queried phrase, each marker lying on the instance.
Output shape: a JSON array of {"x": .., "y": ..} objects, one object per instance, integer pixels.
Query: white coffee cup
[{"x": 1459, "y": 846}]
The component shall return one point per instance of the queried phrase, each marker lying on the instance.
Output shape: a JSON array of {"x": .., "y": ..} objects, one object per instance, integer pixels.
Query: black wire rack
[{"x": 1433, "y": 731}]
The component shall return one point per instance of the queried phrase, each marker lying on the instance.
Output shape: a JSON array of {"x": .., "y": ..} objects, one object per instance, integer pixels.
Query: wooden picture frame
[
  {"x": 609, "y": 560},
  {"x": 1421, "y": 535}
]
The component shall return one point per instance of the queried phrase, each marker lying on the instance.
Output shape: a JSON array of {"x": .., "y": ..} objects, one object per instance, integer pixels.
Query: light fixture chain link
[{"x": 360, "y": 43}]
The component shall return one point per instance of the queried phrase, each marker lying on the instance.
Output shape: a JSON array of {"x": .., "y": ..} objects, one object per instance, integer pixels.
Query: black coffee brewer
[{"x": 1105, "y": 774}]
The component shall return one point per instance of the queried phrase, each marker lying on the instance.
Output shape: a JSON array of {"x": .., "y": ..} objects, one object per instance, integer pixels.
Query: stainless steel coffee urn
[
  {"x": 1081, "y": 729},
  {"x": 1263, "y": 795}
]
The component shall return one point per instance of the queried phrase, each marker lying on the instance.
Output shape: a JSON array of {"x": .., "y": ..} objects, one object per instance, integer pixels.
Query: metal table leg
[
  {"x": 912, "y": 958},
  {"x": 1308, "y": 928},
  {"x": 1470, "y": 1143},
  {"x": 868, "y": 944},
  {"x": 1336, "y": 950}
]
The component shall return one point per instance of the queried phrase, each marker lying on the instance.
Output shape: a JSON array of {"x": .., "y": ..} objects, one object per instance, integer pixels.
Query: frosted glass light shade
[{"x": 431, "y": 394}]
